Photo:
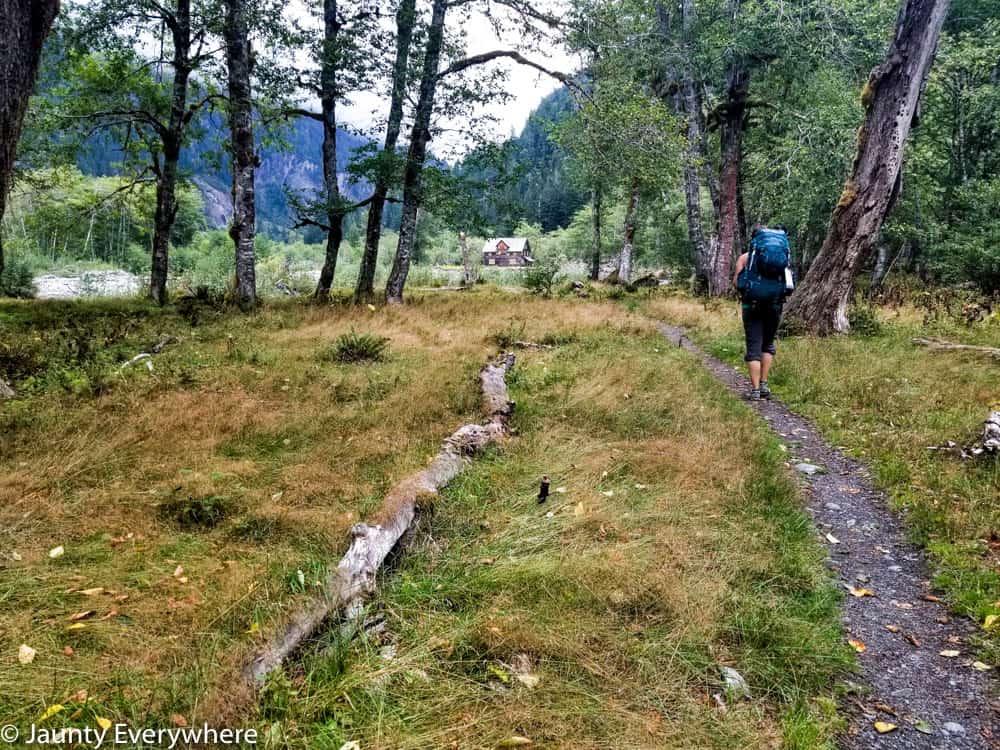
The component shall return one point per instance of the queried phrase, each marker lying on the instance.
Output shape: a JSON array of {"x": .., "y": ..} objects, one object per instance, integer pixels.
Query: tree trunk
[
  {"x": 420, "y": 135},
  {"x": 731, "y": 118},
  {"x": 167, "y": 169},
  {"x": 891, "y": 98},
  {"x": 628, "y": 244},
  {"x": 365, "y": 288},
  {"x": 468, "y": 270},
  {"x": 328, "y": 102},
  {"x": 595, "y": 224},
  {"x": 24, "y": 24},
  {"x": 881, "y": 266},
  {"x": 239, "y": 63}
]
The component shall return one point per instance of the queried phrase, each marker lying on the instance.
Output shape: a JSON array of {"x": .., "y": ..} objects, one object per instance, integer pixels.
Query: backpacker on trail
[{"x": 767, "y": 275}]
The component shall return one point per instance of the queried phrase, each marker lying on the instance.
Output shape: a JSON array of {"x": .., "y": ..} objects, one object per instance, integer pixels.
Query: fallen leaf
[
  {"x": 561, "y": 490},
  {"x": 178, "y": 571},
  {"x": 56, "y": 552},
  {"x": 981, "y": 666},
  {"x": 528, "y": 680},
  {"x": 832, "y": 539},
  {"x": 26, "y": 654},
  {"x": 487, "y": 560},
  {"x": 80, "y": 696},
  {"x": 861, "y": 592},
  {"x": 76, "y": 626},
  {"x": 578, "y": 510},
  {"x": 500, "y": 674},
  {"x": 608, "y": 493},
  {"x": 930, "y": 598},
  {"x": 892, "y": 628},
  {"x": 93, "y": 591},
  {"x": 991, "y": 621},
  {"x": 949, "y": 653},
  {"x": 178, "y": 720},
  {"x": 902, "y": 605},
  {"x": 923, "y": 727},
  {"x": 254, "y": 628},
  {"x": 51, "y": 711},
  {"x": 515, "y": 741},
  {"x": 68, "y": 651},
  {"x": 111, "y": 613},
  {"x": 103, "y": 723},
  {"x": 83, "y": 615},
  {"x": 858, "y": 646},
  {"x": 884, "y": 727},
  {"x": 912, "y": 639},
  {"x": 885, "y": 708}
]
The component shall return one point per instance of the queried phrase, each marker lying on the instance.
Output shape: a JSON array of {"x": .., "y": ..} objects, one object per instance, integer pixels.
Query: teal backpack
[{"x": 763, "y": 278}]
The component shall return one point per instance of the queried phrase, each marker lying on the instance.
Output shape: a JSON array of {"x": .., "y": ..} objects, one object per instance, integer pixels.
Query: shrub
[
  {"x": 17, "y": 279},
  {"x": 541, "y": 277},
  {"x": 864, "y": 320},
  {"x": 357, "y": 347}
]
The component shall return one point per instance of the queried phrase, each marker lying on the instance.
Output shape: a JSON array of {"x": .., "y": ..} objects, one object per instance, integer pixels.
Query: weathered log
[
  {"x": 943, "y": 345},
  {"x": 991, "y": 432},
  {"x": 354, "y": 579}
]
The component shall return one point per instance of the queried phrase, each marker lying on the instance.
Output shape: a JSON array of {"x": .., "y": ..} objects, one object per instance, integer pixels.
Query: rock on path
[{"x": 868, "y": 550}]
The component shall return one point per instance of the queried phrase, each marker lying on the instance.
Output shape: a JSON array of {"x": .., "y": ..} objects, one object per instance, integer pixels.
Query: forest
[{"x": 383, "y": 374}]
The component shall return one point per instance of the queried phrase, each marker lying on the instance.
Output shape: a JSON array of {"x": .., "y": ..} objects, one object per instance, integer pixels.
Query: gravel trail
[{"x": 935, "y": 701}]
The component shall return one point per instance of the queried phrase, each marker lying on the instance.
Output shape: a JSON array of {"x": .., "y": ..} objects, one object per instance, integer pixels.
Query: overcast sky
[{"x": 527, "y": 86}]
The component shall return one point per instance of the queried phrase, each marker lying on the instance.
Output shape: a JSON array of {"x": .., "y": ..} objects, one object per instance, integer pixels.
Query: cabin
[{"x": 507, "y": 251}]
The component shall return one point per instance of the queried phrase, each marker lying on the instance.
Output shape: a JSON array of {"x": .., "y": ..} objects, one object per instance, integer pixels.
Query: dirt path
[{"x": 903, "y": 666}]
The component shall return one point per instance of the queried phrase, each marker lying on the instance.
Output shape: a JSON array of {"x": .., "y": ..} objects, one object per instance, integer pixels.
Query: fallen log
[
  {"x": 943, "y": 345},
  {"x": 354, "y": 579}
]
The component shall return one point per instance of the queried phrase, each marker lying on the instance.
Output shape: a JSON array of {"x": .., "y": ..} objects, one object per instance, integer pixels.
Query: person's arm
[{"x": 741, "y": 263}]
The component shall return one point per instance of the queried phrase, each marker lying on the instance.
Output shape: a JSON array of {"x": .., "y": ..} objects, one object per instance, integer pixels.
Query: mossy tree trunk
[
  {"x": 24, "y": 24},
  {"x": 405, "y": 18},
  {"x": 420, "y": 136},
  {"x": 628, "y": 241},
  {"x": 891, "y": 99},
  {"x": 239, "y": 63}
]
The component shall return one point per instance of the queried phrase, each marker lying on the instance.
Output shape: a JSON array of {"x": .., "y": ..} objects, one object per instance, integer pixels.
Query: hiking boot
[
  {"x": 753, "y": 394},
  {"x": 765, "y": 391}
]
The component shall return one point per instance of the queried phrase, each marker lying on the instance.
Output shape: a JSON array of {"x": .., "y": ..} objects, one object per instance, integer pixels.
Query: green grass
[
  {"x": 886, "y": 400},
  {"x": 679, "y": 544}
]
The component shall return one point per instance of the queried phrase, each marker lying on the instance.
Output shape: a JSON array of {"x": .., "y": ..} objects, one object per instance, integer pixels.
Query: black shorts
[{"x": 760, "y": 324}]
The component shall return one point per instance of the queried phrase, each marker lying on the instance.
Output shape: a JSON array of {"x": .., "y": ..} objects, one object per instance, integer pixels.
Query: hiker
[{"x": 762, "y": 278}]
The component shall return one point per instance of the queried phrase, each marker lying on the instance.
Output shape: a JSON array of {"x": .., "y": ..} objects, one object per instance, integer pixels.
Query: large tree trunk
[
  {"x": 595, "y": 238},
  {"x": 328, "y": 101},
  {"x": 731, "y": 119},
  {"x": 687, "y": 102},
  {"x": 628, "y": 240},
  {"x": 24, "y": 24},
  {"x": 167, "y": 169},
  {"x": 891, "y": 98},
  {"x": 419, "y": 137},
  {"x": 405, "y": 16},
  {"x": 239, "y": 63}
]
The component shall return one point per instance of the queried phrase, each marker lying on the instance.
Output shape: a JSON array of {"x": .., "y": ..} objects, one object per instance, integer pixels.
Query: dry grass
[
  {"x": 678, "y": 545},
  {"x": 241, "y": 413}
]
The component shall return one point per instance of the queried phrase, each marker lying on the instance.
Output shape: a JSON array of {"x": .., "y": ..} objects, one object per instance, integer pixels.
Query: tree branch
[{"x": 459, "y": 65}]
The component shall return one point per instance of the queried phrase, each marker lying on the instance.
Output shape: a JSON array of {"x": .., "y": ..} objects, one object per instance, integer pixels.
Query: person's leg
[
  {"x": 766, "y": 360},
  {"x": 754, "y": 331},
  {"x": 769, "y": 329}
]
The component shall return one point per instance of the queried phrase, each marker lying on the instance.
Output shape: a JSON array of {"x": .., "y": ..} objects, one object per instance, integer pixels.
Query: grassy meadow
[{"x": 195, "y": 503}]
